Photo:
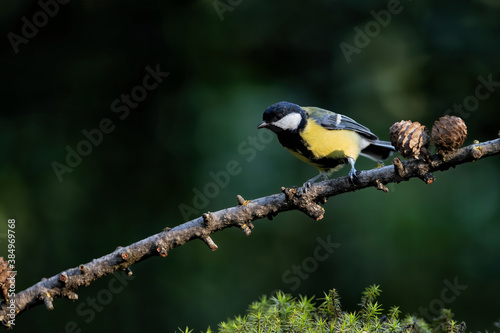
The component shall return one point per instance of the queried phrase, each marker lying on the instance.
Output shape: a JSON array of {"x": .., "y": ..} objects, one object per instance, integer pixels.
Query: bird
[{"x": 322, "y": 138}]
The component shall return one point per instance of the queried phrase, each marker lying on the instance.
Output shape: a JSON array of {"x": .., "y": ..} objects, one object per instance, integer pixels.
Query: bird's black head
[{"x": 283, "y": 116}]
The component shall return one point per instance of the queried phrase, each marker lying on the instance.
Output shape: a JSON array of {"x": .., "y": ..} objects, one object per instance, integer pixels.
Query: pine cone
[
  {"x": 5, "y": 283},
  {"x": 409, "y": 137},
  {"x": 449, "y": 133}
]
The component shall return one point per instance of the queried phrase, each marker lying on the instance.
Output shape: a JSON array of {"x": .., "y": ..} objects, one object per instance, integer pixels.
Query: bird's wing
[{"x": 335, "y": 121}]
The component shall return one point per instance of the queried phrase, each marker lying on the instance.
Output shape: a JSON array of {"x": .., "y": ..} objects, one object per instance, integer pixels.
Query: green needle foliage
[{"x": 284, "y": 313}]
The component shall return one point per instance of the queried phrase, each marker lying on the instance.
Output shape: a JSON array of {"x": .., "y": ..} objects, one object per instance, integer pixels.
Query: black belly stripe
[
  {"x": 293, "y": 141},
  {"x": 330, "y": 163}
]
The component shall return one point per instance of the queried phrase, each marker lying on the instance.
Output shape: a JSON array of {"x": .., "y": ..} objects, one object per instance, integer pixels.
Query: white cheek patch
[{"x": 289, "y": 122}]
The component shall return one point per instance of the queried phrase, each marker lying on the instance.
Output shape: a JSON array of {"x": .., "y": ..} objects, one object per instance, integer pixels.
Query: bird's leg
[
  {"x": 308, "y": 184},
  {"x": 353, "y": 171}
]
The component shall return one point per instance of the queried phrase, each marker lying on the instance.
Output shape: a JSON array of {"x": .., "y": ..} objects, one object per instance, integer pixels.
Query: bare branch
[{"x": 65, "y": 283}]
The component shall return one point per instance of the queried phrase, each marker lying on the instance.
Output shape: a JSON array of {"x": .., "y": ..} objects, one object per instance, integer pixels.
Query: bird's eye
[{"x": 279, "y": 116}]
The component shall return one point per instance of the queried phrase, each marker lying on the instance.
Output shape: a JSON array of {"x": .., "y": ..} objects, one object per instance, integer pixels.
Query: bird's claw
[
  {"x": 307, "y": 185},
  {"x": 353, "y": 174}
]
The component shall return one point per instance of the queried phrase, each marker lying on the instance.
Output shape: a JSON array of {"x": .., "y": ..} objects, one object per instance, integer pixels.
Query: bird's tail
[{"x": 378, "y": 150}]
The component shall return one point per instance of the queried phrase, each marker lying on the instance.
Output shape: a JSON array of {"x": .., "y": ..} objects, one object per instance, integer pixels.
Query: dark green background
[{"x": 223, "y": 74}]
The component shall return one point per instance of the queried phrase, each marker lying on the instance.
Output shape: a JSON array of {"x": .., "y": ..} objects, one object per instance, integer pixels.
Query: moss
[{"x": 284, "y": 313}]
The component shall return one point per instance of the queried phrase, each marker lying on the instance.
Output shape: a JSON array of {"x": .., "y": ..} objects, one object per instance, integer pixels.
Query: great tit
[{"x": 323, "y": 139}]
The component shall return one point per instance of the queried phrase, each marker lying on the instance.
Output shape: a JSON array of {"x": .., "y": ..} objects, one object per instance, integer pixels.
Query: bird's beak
[{"x": 262, "y": 125}]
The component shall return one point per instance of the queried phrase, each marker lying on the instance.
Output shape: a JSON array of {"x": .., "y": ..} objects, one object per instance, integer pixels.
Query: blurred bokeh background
[{"x": 227, "y": 61}]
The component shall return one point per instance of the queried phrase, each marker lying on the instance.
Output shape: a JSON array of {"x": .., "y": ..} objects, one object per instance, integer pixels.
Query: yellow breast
[{"x": 324, "y": 143}]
